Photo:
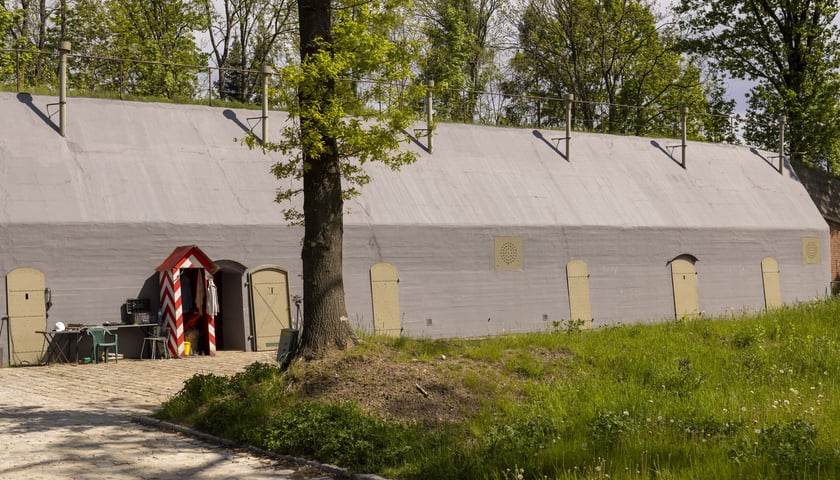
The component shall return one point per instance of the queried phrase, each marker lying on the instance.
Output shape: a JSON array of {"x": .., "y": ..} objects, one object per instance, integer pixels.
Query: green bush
[{"x": 339, "y": 433}]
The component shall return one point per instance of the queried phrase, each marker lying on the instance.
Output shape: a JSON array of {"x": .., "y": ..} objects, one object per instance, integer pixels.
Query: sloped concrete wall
[{"x": 98, "y": 210}]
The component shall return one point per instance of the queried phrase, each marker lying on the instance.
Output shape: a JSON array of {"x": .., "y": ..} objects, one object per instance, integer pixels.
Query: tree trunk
[{"x": 325, "y": 323}]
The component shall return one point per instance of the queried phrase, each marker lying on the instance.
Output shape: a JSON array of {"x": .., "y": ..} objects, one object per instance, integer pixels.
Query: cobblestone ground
[{"x": 73, "y": 422}]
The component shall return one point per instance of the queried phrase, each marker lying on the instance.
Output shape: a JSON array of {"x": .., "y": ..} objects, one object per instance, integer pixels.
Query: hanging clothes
[
  {"x": 212, "y": 308},
  {"x": 199, "y": 291}
]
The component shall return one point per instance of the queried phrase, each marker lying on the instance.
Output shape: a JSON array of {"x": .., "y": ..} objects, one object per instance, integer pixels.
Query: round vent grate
[{"x": 509, "y": 253}]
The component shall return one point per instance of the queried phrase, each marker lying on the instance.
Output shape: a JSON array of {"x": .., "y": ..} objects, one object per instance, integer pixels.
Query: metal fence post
[
  {"x": 210, "y": 86},
  {"x": 266, "y": 71},
  {"x": 64, "y": 49},
  {"x": 683, "y": 127},
  {"x": 17, "y": 70},
  {"x": 122, "y": 78},
  {"x": 570, "y": 100},
  {"x": 782, "y": 123},
  {"x": 430, "y": 114}
]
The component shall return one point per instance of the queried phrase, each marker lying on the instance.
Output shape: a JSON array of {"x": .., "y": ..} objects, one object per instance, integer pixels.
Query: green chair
[{"x": 98, "y": 336}]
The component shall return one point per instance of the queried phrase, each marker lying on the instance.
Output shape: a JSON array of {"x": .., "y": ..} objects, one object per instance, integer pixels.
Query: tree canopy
[
  {"x": 618, "y": 61},
  {"x": 790, "y": 50}
]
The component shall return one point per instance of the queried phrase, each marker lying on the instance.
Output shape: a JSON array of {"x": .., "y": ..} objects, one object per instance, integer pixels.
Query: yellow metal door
[
  {"x": 684, "y": 277},
  {"x": 27, "y": 313},
  {"x": 577, "y": 278},
  {"x": 385, "y": 298},
  {"x": 269, "y": 293},
  {"x": 772, "y": 290}
]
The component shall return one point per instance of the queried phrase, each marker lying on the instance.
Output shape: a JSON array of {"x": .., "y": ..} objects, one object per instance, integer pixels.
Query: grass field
[{"x": 746, "y": 397}]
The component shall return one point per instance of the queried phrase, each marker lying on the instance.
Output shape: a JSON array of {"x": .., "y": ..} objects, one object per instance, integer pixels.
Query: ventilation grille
[
  {"x": 811, "y": 250},
  {"x": 508, "y": 253}
]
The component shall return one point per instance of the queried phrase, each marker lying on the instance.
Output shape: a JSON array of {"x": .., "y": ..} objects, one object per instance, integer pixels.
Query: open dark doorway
[{"x": 231, "y": 324}]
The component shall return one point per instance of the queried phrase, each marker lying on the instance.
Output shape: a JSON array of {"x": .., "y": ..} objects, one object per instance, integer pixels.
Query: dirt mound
[{"x": 414, "y": 390}]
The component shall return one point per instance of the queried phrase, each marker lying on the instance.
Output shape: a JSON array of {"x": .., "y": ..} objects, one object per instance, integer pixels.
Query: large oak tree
[{"x": 351, "y": 104}]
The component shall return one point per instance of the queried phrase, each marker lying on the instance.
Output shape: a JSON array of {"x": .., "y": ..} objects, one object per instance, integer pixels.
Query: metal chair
[
  {"x": 98, "y": 336},
  {"x": 160, "y": 336}
]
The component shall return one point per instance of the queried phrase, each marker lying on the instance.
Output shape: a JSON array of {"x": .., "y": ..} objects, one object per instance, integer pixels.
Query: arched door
[
  {"x": 268, "y": 290},
  {"x": 384, "y": 293},
  {"x": 577, "y": 279},
  {"x": 684, "y": 278},
  {"x": 27, "y": 312},
  {"x": 770, "y": 278}
]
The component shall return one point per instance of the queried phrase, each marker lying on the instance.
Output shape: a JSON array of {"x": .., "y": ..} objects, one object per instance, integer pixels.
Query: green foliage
[
  {"x": 155, "y": 36},
  {"x": 228, "y": 406},
  {"x": 790, "y": 51},
  {"x": 338, "y": 433},
  {"x": 7, "y": 19},
  {"x": 622, "y": 67},
  {"x": 244, "y": 36},
  {"x": 157, "y": 31},
  {"x": 789, "y": 446},
  {"x": 460, "y": 52},
  {"x": 607, "y": 428},
  {"x": 357, "y": 120}
]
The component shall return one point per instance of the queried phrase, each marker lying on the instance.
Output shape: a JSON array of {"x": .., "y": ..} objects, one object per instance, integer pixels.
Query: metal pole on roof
[
  {"x": 210, "y": 86},
  {"x": 429, "y": 114},
  {"x": 570, "y": 100},
  {"x": 683, "y": 122},
  {"x": 63, "y": 49},
  {"x": 17, "y": 70},
  {"x": 122, "y": 78},
  {"x": 266, "y": 71},
  {"x": 782, "y": 123}
]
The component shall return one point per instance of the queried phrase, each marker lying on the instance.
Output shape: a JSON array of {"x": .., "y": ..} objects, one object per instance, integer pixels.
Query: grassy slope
[{"x": 745, "y": 397}]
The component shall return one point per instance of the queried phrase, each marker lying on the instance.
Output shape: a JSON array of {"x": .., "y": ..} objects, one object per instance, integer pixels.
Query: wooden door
[{"x": 268, "y": 288}]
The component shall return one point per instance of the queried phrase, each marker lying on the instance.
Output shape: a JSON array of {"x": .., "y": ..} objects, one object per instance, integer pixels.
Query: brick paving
[{"x": 74, "y": 422}]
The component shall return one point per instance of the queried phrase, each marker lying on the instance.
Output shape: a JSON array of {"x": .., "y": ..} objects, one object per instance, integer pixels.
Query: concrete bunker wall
[{"x": 98, "y": 210}]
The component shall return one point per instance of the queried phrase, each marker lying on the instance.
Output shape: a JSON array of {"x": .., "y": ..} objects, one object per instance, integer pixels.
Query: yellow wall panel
[
  {"x": 770, "y": 276},
  {"x": 385, "y": 298},
  {"x": 577, "y": 278}
]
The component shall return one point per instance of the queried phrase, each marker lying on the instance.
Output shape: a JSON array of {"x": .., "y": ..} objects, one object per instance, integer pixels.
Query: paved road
[{"x": 73, "y": 422}]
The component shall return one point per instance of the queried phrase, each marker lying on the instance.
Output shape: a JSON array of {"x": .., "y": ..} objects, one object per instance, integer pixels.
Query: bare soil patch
[
  {"x": 415, "y": 390},
  {"x": 435, "y": 389}
]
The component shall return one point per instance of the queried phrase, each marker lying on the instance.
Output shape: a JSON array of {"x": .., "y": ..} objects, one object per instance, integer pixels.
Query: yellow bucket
[{"x": 187, "y": 348}]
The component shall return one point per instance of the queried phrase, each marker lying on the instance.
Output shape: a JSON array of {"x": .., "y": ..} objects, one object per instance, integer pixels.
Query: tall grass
[{"x": 752, "y": 396}]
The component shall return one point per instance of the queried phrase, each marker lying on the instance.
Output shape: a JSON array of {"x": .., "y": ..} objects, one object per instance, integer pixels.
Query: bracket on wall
[
  {"x": 668, "y": 151},
  {"x": 777, "y": 166},
  {"x": 557, "y": 141},
  {"x": 554, "y": 146}
]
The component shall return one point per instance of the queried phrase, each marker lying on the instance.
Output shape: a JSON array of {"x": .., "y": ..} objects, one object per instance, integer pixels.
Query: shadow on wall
[
  {"x": 416, "y": 141},
  {"x": 231, "y": 115},
  {"x": 26, "y": 99},
  {"x": 666, "y": 152},
  {"x": 150, "y": 290},
  {"x": 539, "y": 135}
]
